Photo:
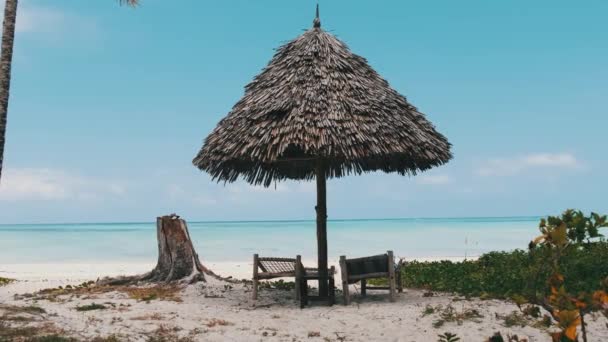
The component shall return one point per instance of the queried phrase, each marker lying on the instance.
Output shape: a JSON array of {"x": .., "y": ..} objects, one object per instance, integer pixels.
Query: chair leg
[
  {"x": 332, "y": 287},
  {"x": 391, "y": 275},
  {"x": 363, "y": 287},
  {"x": 345, "y": 291},
  {"x": 298, "y": 271},
  {"x": 255, "y": 289},
  {"x": 399, "y": 282},
  {"x": 303, "y": 288},
  {"x": 256, "y": 259},
  {"x": 392, "y": 289},
  {"x": 332, "y": 292},
  {"x": 344, "y": 274}
]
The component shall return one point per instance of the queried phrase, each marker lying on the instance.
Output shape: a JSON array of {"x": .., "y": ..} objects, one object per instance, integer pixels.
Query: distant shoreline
[{"x": 412, "y": 219}]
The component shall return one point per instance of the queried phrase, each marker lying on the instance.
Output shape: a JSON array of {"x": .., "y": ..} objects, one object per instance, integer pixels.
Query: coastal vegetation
[
  {"x": 448, "y": 337},
  {"x": 504, "y": 275},
  {"x": 5, "y": 281},
  {"x": 91, "y": 307},
  {"x": 563, "y": 271},
  {"x": 166, "y": 292}
]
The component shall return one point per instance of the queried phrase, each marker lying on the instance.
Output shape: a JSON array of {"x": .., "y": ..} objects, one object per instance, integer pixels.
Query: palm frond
[{"x": 131, "y": 3}]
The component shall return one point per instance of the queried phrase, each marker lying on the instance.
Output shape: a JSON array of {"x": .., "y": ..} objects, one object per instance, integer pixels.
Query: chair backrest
[
  {"x": 367, "y": 265},
  {"x": 276, "y": 265}
]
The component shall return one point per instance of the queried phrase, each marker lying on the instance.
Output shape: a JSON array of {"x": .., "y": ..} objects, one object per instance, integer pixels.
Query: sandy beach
[{"x": 224, "y": 311}]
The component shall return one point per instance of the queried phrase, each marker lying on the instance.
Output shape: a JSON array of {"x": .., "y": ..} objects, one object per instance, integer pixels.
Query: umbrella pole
[{"x": 321, "y": 209}]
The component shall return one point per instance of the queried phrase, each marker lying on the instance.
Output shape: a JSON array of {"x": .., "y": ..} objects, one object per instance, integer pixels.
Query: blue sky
[{"x": 109, "y": 105}]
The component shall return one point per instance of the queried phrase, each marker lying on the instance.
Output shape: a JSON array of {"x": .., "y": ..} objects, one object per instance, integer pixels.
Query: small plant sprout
[{"x": 448, "y": 337}]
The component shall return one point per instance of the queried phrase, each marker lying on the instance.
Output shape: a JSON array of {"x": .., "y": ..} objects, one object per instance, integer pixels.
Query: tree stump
[{"x": 177, "y": 259}]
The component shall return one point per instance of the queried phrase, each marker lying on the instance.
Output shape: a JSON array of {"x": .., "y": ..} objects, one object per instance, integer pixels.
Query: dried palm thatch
[{"x": 317, "y": 100}]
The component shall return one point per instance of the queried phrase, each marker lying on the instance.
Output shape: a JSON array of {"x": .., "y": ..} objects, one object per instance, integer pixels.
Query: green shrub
[
  {"x": 91, "y": 307},
  {"x": 53, "y": 338},
  {"x": 448, "y": 337},
  {"x": 278, "y": 285},
  {"x": 5, "y": 281},
  {"x": 509, "y": 274}
]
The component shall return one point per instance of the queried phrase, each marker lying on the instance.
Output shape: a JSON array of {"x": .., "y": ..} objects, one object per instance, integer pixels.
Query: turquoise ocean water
[{"x": 237, "y": 241}]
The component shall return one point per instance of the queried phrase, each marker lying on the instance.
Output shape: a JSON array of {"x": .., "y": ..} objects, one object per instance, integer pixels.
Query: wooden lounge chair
[
  {"x": 270, "y": 268},
  {"x": 377, "y": 266}
]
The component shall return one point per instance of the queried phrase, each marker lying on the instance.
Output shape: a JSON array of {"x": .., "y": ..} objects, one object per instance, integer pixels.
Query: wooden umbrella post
[{"x": 321, "y": 209}]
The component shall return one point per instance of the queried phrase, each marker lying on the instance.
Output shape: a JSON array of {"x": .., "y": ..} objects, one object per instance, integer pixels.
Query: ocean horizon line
[{"x": 444, "y": 218}]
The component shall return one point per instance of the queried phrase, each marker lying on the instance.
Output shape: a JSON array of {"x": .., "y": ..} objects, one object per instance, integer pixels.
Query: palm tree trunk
[{"x": 6, "y": 59}]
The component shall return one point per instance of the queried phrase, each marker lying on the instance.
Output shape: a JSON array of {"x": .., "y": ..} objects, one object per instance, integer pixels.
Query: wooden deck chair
[
  {"x": 270, "y": 268},
  {"x": 377, "y": 266}
]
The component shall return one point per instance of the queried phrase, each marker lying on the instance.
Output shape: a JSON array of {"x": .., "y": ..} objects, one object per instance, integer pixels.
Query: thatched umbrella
[{"x": 319, "y": 111}]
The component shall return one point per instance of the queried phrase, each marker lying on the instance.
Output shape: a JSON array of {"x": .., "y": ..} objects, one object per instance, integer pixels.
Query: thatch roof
[{"x": 316, "y": 100}]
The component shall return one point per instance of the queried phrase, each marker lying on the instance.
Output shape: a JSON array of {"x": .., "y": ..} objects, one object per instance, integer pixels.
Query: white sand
[
  {"x": 274, "y": 317},
  {"x": 78, "y": 272}
]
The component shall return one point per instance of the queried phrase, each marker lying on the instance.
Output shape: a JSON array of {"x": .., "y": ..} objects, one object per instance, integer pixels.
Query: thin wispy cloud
[
  {"x": 517, "y": 165},
  {"x": 177, "y": 193},
  {"x": 36, "y": 19},
  {"x": 53, "y": 23},
  {"x": 433, "y": 179},
  {"x": 52, "y": 185},
  {"x": 204, "y": 201},
  {"x": 240, "y": 188}
]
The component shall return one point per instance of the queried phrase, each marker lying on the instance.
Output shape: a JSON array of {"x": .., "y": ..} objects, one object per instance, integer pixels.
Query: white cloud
[
  {"x": 517, "y": 165},
  {"x": 176, "y": 192},
  {"x": 204, "y": 200},
  {"x": 48, "y": 184},
  {"x": 306, "y": 187},
  {"x": 242, "y": 192},
  {"x": 433, "y": 179},
  {"x": 116, "y": 189},
  {"x": 279, "y": 187},
  {"x": 275, "y": 187},
  {"x": 52, "y": 22},
  {"x": 246, "y": 188},
  {"x": 547, "y": 159},
  {"x": 32, "y": 19}
]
